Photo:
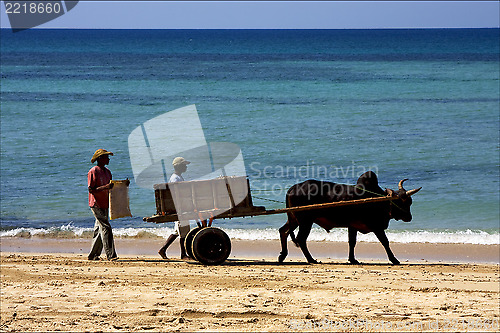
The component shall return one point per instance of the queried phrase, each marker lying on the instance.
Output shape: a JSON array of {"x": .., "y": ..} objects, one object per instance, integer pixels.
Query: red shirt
[{"x": 98, "y": 176}]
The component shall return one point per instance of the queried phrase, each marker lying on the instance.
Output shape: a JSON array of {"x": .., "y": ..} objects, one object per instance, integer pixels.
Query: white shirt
[
  {"x": 175, "y": 178},
  {"x": 184, "y": 223}
]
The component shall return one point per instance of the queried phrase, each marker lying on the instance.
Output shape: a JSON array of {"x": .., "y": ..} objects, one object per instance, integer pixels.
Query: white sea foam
[
  {"x": 336, "y": 235},
  {"x": 419, "y": 236}
]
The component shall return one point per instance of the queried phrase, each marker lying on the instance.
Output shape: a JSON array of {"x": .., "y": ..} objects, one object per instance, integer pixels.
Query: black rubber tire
[
  {"x": 188, "y": 241},
  {"x": 211, "y": 246}
]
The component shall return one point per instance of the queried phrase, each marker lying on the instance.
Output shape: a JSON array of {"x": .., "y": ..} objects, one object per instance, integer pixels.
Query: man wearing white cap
[{"x": 181, "y": 227}]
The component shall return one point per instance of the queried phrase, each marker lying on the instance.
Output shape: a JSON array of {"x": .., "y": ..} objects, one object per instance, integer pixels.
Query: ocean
[{"x": 421, "y": 104}]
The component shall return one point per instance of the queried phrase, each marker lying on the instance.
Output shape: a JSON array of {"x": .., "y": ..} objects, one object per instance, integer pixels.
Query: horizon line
[{"x": 379, "y": 28}]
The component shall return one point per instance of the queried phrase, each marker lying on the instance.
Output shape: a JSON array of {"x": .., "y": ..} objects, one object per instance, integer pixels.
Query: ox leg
[
  {"x": 304, "y": 230},
  {"x": 385, "y": 242},
  {"x": 284, "y": 232},
  {"x": 353, "y": 233}
]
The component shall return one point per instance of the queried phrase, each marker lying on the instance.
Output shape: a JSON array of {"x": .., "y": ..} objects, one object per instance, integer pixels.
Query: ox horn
[
  {"x": 412, "y": 192},
  {"x": 400, "y": 185}
]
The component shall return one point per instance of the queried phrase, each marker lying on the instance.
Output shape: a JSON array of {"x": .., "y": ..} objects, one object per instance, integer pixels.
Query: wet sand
[
  {"x": 414, "y": 252},
  {"x": 141, "y": 292}
]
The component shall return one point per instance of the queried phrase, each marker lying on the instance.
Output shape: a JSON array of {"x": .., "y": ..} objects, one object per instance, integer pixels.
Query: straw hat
[
  {"x": 98, "y": 153},
  {"x": 179, "y": 161}
]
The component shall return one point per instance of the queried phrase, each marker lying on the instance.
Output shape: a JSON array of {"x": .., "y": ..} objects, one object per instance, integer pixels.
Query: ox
[{"x": 365, "y": 218}]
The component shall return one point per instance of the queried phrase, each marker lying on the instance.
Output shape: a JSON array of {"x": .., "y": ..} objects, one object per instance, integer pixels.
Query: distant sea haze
[{"x": 420, "y": 104}]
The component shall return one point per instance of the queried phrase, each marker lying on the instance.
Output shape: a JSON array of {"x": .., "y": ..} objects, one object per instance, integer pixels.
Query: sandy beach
[{"x": 51, "y": 291}]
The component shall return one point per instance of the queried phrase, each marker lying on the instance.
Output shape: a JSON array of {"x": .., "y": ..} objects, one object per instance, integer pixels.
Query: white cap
[{"x": 179, "y": 161}]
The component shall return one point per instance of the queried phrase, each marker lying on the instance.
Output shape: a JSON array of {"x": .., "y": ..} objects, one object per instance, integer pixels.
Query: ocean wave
[
  {"x": 417, "y": 236},
  {"x": 336, "y": 235}
]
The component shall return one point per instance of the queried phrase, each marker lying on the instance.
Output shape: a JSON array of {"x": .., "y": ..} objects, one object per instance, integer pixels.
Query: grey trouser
[
  {"x": 182, "y": 228},
  {"x": 103, "y": 235}
]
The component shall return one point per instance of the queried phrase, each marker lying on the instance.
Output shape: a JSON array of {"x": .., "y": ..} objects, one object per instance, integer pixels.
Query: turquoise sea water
[{"x": 324, "y": 104}]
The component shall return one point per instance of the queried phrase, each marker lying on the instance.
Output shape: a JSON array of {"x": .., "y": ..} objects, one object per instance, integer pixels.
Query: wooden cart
[{"x": 220, "y": 198}]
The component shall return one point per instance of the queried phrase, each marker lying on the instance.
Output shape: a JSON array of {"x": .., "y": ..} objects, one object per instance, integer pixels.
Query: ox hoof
[
  {"x": 312, "y": 261},
  {"x": 281, "y": 257},
  {"x": 354, "y": 262},
  {"x": 394, "y": 261}
]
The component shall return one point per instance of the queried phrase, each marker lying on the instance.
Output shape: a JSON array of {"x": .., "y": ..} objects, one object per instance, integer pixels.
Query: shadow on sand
[{"x": 262, "y": 262}]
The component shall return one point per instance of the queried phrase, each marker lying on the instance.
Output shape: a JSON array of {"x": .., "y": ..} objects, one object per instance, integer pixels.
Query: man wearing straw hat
[
  {"x": 181, "y": 227},
  {"x": 99, "y": 184}
]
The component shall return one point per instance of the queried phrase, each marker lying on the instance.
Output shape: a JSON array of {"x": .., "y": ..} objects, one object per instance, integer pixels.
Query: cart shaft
[{"x": 258, "y": 210}]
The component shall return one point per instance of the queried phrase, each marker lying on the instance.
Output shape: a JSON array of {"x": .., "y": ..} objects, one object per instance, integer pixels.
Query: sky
[{"x": 275, "y": 15}]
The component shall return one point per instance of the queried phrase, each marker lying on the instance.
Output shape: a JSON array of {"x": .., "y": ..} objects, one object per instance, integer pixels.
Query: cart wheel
[
  {"x": 211, "y": 246},
  {"x": 188, "y": 241}
]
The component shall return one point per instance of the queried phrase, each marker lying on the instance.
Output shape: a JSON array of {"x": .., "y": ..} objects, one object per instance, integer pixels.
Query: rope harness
[
  {"x": 355, "y": 186},
  {"x": 390, "y": 201}
]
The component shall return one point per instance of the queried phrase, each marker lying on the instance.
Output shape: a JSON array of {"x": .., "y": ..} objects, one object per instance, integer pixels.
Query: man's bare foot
[{"x": 163, "y": 254}]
